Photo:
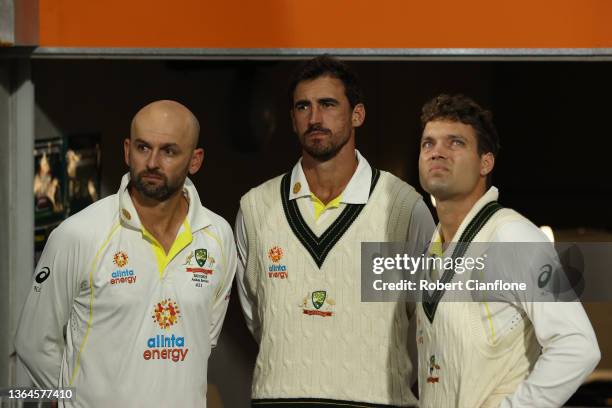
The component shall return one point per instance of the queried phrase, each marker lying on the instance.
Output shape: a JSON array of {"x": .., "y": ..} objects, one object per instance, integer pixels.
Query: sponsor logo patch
[
  {"x": 120, "y": 259},
  {"x": 122, "y": 276},
  {"x": 166, "y": 314},
  {"x": 166, "y": 346},
  {"x": 276, "y": 270},
  {"x": 41, "y": 276}
]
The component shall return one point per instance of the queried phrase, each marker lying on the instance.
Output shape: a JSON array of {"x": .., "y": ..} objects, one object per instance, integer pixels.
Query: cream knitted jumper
[{"x": 318, "y": 340}]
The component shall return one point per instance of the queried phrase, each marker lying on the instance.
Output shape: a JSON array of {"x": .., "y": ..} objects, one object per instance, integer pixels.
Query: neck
[
  {"x": 452, "y": 212},
  {"x": 160, "y": 218},
  {"x": 327, "y": 180}
]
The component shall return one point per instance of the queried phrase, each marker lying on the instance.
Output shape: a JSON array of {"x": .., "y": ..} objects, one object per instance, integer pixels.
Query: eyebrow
[
  {"x": 165, "y": 145},
  {"x": 327, "y": 100},
  {"x": 449, "y": 136},
  {"x": 303, "y": 102}
]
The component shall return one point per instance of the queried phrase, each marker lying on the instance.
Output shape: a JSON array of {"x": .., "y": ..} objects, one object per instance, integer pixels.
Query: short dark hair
[
  {"x": 460, "y": 108},
  {"x": 324, "y": 65}
]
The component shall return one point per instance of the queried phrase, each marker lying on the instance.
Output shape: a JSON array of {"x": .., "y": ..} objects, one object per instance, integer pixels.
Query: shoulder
[
  {"x": 219, "y": 223},
  {"x": 266, "y": 185},
  {"x": 510, "y": 226},
  {"x": 91, "y": 222},
  {"x": 390, "y": 184},
  {"x": 264, "y": 189},
  {"x": 391, "y": 179}
]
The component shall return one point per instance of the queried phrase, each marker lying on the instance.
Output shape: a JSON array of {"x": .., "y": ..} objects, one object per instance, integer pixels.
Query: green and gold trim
[
  {"x": 313, "y": 403},
  {"x": 319, "y": 247},
  {"x": 430, "y": 302}
]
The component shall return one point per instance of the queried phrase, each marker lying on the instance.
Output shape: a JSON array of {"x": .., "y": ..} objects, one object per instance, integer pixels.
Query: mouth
[
  {"x": 150, "y": 176},
  {"x": 318, "y": 133},
  {"x": 438, "y": 169}
]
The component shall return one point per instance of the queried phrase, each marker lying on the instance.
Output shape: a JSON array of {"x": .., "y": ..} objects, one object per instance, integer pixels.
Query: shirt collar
[
  {"x": 357, "y": 190},
  {"x": 491, "y": 195},
  {"x": 197, "y": 217}
]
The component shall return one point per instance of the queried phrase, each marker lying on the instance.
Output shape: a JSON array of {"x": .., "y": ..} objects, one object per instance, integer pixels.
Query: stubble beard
[
  {"x": 161, "y": 192},
  {"x": 323, "y": 151}
]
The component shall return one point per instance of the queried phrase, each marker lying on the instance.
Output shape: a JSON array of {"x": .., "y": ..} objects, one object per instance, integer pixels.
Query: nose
[
  {"x": 315, "y": 115},
  {"x": 437, "y": 151},
  {"x": 152, "y": 160}
]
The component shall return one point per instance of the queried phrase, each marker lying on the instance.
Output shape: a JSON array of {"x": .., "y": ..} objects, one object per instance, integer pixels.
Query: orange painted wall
[{"x": 326, "y": 23}]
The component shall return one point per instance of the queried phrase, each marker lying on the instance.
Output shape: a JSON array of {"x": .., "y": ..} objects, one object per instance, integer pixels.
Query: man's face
[
  {"x": 159, "y": 157},
  {"x": 322, "y": 117},
  {"x": 449, "y": 163}
]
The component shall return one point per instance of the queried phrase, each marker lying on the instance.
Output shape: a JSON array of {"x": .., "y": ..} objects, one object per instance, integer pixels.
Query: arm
[
  {"x": 420, "y": 231},
  {"x": 246, "y": 301},
  {"x": 221, "y": 301},
  {"x": 39, "y": 341},
  {"x": 569, "y": 346},
  {"x": 421, "y": 228}
]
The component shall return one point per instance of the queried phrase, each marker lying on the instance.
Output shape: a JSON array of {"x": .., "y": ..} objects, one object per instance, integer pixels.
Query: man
[
  {"x": 511, "y": 354},
  {"x": 299, "y": 238},
  {"x": 139, "y": 281}
]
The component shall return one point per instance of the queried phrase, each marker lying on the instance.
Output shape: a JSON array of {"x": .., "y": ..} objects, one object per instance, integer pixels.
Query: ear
[
  {"x": 197, "y": 158},
  {"x": 126, "y": 151},
  {"x": 487, "y": 162},
  {"x": 358, "y": 115}
]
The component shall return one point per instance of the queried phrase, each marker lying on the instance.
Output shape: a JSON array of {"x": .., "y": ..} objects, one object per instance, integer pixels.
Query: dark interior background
[{"x": 552, "y": 118}]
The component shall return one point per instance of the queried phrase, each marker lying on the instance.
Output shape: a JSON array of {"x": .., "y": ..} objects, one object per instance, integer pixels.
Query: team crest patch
[
  {"x": 166, "y": 313},
  {"x": 200, "y": 273},
  {"x": 433, "y": 369},
  {"x": 277, "y": 270},
  {"x": 318, "y": 303},
  {"x": 318, "y": 298},
  {"x": 201, "y": 255}
]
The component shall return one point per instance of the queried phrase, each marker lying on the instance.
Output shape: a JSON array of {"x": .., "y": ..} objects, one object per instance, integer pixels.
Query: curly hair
[
  {"x": 460, "y": 108},
  {"x": 324, "y": 65}
]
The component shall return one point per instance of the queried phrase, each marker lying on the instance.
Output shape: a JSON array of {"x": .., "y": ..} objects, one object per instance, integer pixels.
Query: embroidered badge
[
  {"x": 200, "y": 273},
  {"x": 201, "y": 255},
  {"x": 317, "y": 303},
  {"x": 433, "y": 368}
]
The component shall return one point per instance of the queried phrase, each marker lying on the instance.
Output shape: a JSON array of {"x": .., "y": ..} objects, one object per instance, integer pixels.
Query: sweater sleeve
[{"x": 569, "y": 347}]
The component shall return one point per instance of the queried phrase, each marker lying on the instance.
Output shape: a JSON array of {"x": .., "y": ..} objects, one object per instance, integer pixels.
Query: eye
[
  {"x": 327, "y": 104},
  {"x": 457, "y": 142},
  {"x": 141, "y": 147},
  {"x": 426, "y": 144},
  {"x": 301, "y": 106},
  {"x": 169, "y": 151}
]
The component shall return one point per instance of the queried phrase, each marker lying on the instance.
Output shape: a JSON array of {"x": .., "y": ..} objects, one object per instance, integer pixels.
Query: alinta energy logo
[
  {"x": 166, "y": 314},
  {"x": 120, "y": 276},
  {"x": 120, "y": 259},
  {"x": 165, "y": 346},
  {"x": 275, "y": 271}
]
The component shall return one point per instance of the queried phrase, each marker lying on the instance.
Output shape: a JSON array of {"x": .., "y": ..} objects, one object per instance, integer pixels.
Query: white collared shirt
[{"x": 127, "y": 313}]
